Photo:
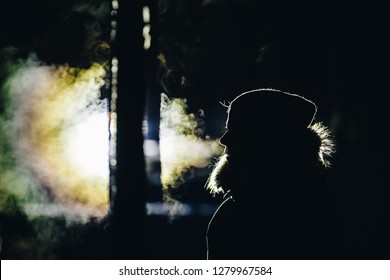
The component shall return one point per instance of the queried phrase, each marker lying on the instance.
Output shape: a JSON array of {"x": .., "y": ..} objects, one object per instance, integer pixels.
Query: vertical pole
[{"x": 129, "y": 193}]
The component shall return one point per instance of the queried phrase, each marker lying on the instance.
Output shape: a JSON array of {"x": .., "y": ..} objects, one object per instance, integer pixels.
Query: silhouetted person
[{"x": 276, "y": 202}]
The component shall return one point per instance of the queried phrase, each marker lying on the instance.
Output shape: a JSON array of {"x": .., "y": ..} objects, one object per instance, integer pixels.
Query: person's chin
[{"x": 226, "y": 175}]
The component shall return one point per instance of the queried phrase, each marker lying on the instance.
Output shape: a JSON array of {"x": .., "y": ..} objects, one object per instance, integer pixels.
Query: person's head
[{"x": 265, "y": 129}]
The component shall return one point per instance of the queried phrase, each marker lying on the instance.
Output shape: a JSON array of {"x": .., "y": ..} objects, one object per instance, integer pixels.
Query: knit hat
[{"x": 271, "y": 108}]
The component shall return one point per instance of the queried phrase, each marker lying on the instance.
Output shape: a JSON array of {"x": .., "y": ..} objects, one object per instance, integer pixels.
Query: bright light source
[
  {"x": 146, "y": 14},
  {"x": 88, "y": 145}
]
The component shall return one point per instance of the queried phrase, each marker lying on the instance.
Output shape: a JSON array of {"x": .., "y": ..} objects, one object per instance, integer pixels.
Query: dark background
[{"x": 334, "y": 53}]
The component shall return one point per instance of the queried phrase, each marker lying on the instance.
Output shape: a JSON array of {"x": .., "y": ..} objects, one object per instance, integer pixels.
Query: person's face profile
[
  {"x": 223, "y": 138},
  {"x": 233, "y": 140}
]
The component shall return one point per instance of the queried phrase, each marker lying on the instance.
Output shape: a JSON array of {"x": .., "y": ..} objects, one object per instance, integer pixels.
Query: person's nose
[{"x": 223, "y": 139}]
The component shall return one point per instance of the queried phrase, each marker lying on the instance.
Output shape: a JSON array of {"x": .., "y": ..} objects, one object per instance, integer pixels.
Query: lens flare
[
  {"x": 56, "y": 133},
  {"x": 87, "y": 145}
]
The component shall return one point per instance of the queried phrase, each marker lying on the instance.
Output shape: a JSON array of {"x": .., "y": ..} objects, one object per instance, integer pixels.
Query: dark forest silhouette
[{"x": 209, "y": 52}]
